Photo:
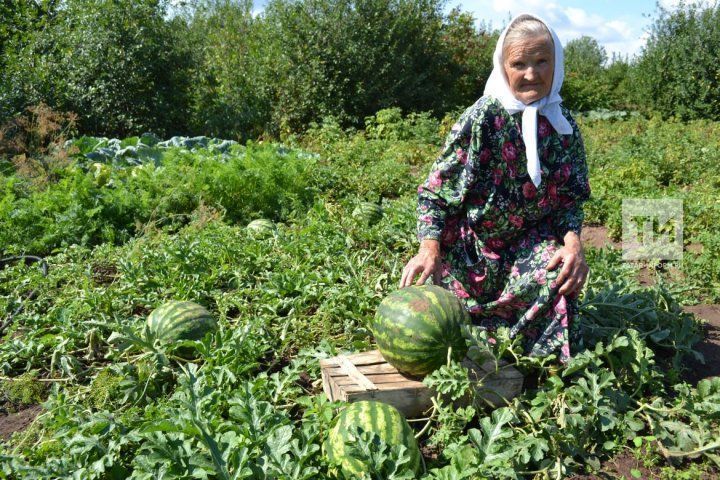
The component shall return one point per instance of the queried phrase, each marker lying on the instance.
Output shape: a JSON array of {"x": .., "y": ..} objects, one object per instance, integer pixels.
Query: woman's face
[{"x": 529, "y": 66}]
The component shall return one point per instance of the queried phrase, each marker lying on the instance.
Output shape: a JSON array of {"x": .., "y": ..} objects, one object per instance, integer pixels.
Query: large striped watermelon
[
  {"x": 380, "y": 418},
  {"x": 176, "y": 321},
  {"x": 415, "y": 326}
]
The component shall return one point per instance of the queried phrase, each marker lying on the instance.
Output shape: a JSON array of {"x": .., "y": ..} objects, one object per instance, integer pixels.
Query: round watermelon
[
  {"x": 380, "y": 418},
  {"x": 369, "y": 213},
  {"x": 415, "y": 326},
  {"x": 176, "y": 321},
  {"x": 262, "y": 227}
]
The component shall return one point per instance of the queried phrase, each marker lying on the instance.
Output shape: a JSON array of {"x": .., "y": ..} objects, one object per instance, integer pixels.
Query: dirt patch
[
  {"x": 17, "y": 422},
  {"x": 695, "y": 248},
  {"x": 624, "y": 465},
  {"x": 597, "y": 237},
  {"x": 709, "y": 346},
  {"x": 429, "y": 452},
  {"x": 104, "y": 273},
  {"x": 619, "y": 467},
  {"x": 646, "y": 277}
]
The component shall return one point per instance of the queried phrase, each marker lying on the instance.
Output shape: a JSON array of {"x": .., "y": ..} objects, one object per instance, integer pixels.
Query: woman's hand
[
  {"x": 425, "y": 263},
  {"x": 574, "y": 272}
]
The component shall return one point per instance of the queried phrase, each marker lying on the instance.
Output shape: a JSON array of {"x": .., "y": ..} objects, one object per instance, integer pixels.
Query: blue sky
[{"x": 618, "y": 25}]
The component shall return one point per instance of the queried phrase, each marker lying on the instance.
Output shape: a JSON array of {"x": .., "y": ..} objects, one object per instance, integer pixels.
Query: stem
[
  {"x": 412, "y": 420},
  {"x": 647, "y": 406},
  {"x": 430, "y": 419},
  {"x": 678, "y": 454}
]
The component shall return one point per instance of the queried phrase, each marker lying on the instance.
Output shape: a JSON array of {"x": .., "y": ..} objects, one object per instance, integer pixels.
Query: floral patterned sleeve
[
  {"x": 569, "y": 216},
  {"x": 452, "y": 175}
]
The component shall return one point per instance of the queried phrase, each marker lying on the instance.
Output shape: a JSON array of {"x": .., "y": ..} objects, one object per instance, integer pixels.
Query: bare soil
[
  {"x": 597, "y": 237},
  {"x": 709, "y": 346},
  {"x": 17, "y": 422},
  {"x": 622, "y": 466}
]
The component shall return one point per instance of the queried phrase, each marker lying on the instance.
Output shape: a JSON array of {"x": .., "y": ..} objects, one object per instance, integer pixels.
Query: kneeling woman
[{"x": 500, "y": 214}]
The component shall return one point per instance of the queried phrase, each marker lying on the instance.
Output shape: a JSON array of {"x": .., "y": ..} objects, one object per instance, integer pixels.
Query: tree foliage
[
  {"x": 352, "y": 58},
  {"x": 220, "y": 68},
  {"x": 470, "y": 51},
  {"x": 585, "y": 86},
  {"x": 585, "y": 56},
  {"x": 114, "y": 63},
  {"x": 232, "y": 81},
  {"x": 678, "y": 73}
]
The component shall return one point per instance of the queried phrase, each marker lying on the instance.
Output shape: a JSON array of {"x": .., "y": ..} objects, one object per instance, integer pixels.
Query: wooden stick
[{"x": 351, "y": 371}]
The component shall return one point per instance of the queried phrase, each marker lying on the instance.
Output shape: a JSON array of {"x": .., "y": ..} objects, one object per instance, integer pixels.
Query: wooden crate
[{"x": 367, "y": 376}]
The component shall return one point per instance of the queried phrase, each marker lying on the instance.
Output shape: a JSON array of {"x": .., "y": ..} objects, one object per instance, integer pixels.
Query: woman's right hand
[{"x": 425, "y": 263}]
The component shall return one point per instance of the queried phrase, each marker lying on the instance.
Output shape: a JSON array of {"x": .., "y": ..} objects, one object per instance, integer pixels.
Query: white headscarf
[{"x": 549, "y": 106}]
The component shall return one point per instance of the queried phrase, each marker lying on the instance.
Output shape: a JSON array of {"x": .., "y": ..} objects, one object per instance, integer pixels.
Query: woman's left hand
[{"x": 574, "y": 272}]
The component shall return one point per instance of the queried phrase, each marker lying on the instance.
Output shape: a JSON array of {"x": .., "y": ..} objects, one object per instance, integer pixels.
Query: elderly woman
[{"x": 502, "y": 207}]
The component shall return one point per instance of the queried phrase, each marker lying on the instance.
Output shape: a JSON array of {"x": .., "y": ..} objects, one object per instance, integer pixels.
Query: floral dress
[{"x": 497, "y": 231}]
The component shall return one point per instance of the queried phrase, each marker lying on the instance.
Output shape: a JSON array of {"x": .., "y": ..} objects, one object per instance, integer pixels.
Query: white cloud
[{"x": 615, "y": 34}]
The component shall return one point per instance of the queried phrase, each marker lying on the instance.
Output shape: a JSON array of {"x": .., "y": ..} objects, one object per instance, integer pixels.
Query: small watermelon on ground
[
  {"x": 176, "y": 321},
  {"x": 377, "y": 417},
  {"x": 262, "y": 227},
  {"x": 415, "y": 326},
  {"x": 368, "y": 212}
]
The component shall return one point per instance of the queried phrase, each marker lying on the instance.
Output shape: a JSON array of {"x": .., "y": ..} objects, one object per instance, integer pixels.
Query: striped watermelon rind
[
  {"x": 377, "y": 417},
  {"x": 415, "y": 326},
  {"x": 370, "y": 213},
  {"x": 176, "y": 321},
  {"x": 262, "y": 227}
]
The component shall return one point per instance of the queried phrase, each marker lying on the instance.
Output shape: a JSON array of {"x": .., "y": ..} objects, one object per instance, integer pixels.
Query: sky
[{"x": 620, "y": 26}]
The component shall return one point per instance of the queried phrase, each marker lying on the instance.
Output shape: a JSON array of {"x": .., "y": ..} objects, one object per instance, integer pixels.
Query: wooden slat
[
  {"x": 327, "y": 384},
  {"x": 373, "y": 357},
  {"x": 380, "y": 379},
  {"x": 355, "y": 374},
  {"x": 398, "y": 388},
  {"x": 364, "y": 369},
  {"x": 411, "y": 403}
]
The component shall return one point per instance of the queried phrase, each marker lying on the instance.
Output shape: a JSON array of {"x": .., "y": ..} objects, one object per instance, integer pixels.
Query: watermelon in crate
[{"x": 414, "y": 328}]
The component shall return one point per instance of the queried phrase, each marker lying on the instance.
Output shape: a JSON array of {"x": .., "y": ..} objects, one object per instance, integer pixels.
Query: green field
[{"x": 125, "y": 229}]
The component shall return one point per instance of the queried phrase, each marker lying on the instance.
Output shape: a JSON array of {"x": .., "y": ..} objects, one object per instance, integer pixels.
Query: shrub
[
  {"x": 678, "y": 72},
  {"x": 231, "y": 93},
  {"x": 470, "y": 51},
  {"x": 32, "y": 142},
  {"x": 114, "y": 63},
  {"x": 351, "y": 59}
]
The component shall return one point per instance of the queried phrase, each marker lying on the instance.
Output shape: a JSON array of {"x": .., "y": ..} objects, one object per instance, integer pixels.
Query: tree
[
  {"x": 232, "y": 81},
  {"x": 585, "y": 87},
  {"x": 678, "y": 73},
  {"x": 351, "y": 58},
  {"x": 114, "y": 63},
  {"x": 584, "y": 56},
  {"x": 471, "y": 53}
]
